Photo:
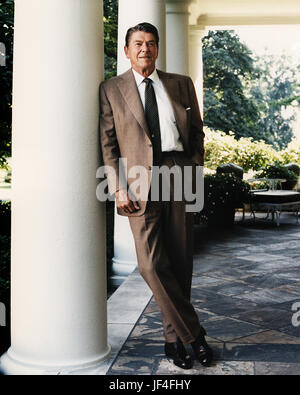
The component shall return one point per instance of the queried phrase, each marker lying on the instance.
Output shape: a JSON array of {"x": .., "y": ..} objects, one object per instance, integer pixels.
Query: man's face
[{"x": 142, "y": 51}]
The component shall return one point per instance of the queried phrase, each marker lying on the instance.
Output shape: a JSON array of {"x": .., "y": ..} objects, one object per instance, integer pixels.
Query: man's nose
[{"x": 144, "y": 47}]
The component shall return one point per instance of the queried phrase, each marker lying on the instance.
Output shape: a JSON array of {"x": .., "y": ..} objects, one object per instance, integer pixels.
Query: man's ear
[{"x": 126, "y": 51}]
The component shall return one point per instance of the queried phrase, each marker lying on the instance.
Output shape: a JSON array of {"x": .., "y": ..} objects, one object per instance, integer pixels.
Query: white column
[
  {"x": 177, "y": 42},
  {"x": 132, "y": 12},
  {"x": 196, "y": 34},
  {"x": 58, "y": 226},
  {"x": 124, "y": 260}
]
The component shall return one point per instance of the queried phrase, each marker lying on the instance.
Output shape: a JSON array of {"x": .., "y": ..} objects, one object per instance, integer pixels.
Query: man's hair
[{"x": 142, "y": 27}]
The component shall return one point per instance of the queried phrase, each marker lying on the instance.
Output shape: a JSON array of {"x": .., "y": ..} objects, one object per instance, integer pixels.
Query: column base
[
  {"x": 120, "y": 271},
  {"x": 10, "y": 364},
  {"x": 123, "y": 268}
]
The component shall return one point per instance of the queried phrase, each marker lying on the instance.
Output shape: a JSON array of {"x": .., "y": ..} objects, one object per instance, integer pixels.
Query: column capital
[
  {"x": 197, "y": 31},
  {"x": 188, "y": 2},
  {"x": 178, "y": 6}
]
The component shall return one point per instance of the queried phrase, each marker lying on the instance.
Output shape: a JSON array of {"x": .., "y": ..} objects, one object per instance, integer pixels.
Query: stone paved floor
[{"x": 245, "y": 282}]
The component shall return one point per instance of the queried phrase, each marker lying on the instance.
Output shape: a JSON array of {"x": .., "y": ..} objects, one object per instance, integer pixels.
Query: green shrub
[
  {"x": 218, "y": 148},
  {"x": 221, "y": 148},
  {"x": 222, "y": 192},
  {"x": 292, "y": 152},
  {"x": 254, "y": 154},
  {"x": 277, "y": 170}
]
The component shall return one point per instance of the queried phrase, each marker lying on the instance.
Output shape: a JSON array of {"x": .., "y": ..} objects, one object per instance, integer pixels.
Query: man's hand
[{"x": 124, "y": 203}]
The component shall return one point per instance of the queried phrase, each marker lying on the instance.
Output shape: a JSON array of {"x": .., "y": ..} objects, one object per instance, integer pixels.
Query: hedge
[{"x": 221, "y": 148}]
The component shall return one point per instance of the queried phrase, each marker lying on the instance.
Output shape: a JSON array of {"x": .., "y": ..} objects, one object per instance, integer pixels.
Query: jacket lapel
[{"x": 130, "y": 93}]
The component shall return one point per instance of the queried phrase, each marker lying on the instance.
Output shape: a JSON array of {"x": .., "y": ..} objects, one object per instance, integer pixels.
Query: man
[{"x": 151, "y": 118}]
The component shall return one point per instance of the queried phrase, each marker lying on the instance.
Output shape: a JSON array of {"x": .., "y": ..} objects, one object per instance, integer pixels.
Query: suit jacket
[{"x": 124, "y": 132}]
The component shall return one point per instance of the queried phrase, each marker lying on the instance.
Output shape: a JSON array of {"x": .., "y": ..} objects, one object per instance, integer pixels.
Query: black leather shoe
[
  {"x": 177, "y": 352},
  {"x": 202, "y": 351}
]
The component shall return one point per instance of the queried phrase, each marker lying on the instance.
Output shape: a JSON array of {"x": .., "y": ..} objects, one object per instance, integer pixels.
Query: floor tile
[
  {"x": 276, "y": 368},
  {"x": 269, "y": 280},
  {"x": 268, "y": 296},
  {"x": 227, "y": 329},
  {"x": 132, "y": 366},
  {"x": 255, "y": 255},
  {"x": 138, "y": 347},
  {"x": 268, "y": 336},
  {"x": 267, "y": 317},
  {"x": 292, "y": 273},
  {"x": 293, "y": 288},
  {"x": 291, "y": 330},
  {"x": 205, "y": 281},
  {"x": 228, "y": 273},
  {"x": 218, "y": 368},
  {"x": 204, "y": 315},
  {"x": 228, "y": 306},
  {"x": 262, "y": 352},
  {"x": 147, "y": 332},
  {"x": 230, "y": 288}
]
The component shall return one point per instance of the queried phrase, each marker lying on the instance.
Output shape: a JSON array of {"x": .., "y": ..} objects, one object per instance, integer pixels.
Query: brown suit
[
  {"x": 162, "y": 230},
  {"x": 124, "y": 131}
]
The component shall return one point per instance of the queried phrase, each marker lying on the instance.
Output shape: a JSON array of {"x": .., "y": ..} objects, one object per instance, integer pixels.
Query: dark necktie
[{"x": 152, "y": 118}]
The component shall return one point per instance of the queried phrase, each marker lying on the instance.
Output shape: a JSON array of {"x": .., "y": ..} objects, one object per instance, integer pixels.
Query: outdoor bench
[{"x": 274, "y": 202}]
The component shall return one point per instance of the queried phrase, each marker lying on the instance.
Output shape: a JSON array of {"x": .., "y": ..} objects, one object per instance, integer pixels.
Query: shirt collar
[{"x": 140, "y": 78}]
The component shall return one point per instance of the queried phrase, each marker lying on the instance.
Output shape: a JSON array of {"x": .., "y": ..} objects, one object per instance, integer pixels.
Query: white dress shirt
[{"x": 168, "y": 129}]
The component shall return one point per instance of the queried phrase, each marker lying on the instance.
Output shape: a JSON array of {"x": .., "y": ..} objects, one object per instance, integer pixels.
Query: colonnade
[{"x": 58, "y": 267}]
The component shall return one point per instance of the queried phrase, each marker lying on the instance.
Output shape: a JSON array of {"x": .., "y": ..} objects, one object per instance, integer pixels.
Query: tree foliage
[
  {"x": 6, "y": 37},
  {"x": 273, "y": 92},
  {"x": 110, "y": 21},
  {"x": 246, "y": 95},
  {"x": 228, "y": 70}
]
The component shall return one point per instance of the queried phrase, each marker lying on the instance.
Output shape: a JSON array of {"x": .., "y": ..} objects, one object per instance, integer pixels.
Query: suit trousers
[{"x": 163, "y": 238}]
